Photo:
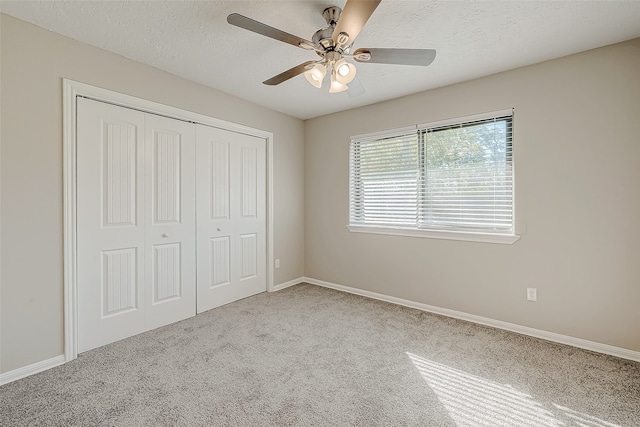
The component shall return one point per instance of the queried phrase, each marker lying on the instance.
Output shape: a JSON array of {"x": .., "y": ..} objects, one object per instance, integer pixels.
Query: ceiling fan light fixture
[
  {"x": 337, "y": 86},
  {"x": 332, "y": 44},
  {"x": 316, "y": 74},
  {"x": 345, "y": 71}
]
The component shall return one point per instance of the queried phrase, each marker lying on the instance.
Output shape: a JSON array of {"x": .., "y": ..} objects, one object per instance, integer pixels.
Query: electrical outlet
[
  {"x": 532, "y": 294},
  {"x": 278, "y": 263}
]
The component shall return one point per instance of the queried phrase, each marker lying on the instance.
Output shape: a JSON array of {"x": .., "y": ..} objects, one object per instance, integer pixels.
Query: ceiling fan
[{"x": 333, "y": 44}]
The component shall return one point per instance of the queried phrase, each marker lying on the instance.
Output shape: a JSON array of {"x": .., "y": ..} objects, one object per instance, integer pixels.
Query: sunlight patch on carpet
[
  {"x": 583, "y": 420},
  {"x": 475, "y": 401}
]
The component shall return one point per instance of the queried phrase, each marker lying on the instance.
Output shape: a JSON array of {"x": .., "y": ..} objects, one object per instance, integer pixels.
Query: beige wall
[
  {"x": 577, "y": 146},
  {"x": 33, "y": 63},
  {"x": 577, "y": 156}
]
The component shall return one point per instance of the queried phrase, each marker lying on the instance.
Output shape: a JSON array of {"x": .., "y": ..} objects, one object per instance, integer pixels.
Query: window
[{"x": 449, "y": 180}]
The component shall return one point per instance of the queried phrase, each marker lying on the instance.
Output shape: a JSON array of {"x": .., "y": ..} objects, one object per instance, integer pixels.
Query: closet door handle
[
  {"x": 219, "y": 229},
  {"x": 164, "y": 235}
]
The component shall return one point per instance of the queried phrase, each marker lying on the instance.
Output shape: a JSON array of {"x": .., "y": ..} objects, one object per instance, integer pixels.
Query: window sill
[{"x": 506, "y": 239}]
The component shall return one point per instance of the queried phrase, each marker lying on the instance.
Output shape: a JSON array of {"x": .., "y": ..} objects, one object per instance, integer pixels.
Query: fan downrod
[
  {"x": 331, "y": 15},
  {"x": 324, "y": 36}
]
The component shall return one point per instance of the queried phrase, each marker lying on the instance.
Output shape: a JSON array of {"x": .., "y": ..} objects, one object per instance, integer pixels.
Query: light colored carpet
[{"x": 311, "y": 356}]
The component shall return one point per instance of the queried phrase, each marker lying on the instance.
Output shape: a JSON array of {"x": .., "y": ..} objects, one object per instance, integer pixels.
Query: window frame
[{"x": 473, "y": 236}]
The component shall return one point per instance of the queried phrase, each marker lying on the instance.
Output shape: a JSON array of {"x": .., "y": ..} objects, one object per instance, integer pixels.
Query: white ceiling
[{"x": 473, "y": 38}]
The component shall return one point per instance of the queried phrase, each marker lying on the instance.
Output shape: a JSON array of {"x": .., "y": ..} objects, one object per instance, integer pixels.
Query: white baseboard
[
  {"x": 623, "y": 353},
  {"x": 34, "y": 368},
  {"x": 284, "y": 285},
  {"x": 525, "y": 330}
]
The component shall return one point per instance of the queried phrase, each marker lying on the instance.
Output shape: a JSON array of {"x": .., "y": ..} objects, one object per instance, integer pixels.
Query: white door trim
[{"x": 73, "y": 89}]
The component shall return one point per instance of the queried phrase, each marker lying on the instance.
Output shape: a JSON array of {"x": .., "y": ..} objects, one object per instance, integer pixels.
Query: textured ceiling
[{"x": 473, "y": 38}]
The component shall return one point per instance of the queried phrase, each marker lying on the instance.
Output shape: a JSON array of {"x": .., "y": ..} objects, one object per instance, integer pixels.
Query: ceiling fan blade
[
  {"x": 274, "y": 33},
  {"x": 356, "y": 88},
  {"x": 355, "y": 14},
  {"x": 421, "y": 57},
  {"x": 292, "y": 72}
]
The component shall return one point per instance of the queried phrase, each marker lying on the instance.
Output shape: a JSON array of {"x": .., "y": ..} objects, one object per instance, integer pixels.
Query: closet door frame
[{"x": 71, "y": 91}]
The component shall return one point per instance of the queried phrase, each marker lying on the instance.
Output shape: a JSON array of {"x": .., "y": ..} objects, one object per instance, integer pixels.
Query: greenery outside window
[{"x": 450, "y": 179}]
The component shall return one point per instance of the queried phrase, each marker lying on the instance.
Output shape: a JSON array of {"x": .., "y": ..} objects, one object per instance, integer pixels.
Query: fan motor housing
[{"x": 323, "y": 37}]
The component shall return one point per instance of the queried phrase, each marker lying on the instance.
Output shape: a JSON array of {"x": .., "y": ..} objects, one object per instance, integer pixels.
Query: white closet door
[
  {"x": 231, "y": 216},
  {"x": 136, "y": 221},
  {"x": 170, "y": 226}
]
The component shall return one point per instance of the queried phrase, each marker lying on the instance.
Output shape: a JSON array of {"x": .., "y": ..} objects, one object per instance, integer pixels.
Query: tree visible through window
[{"x": 449, "y": 178}]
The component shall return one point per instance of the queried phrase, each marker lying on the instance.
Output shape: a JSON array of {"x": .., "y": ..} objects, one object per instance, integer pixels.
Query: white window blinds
[
  {"x": 457, "y": 177},
  {"x": 384, "y": 180}
]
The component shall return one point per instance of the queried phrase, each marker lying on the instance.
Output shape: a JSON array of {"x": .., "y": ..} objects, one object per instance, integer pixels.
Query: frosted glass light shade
[
  {"x": 345, "y": 71},
  {"x": 315, "y": 75},
  {"x": 336, "y": 86}
]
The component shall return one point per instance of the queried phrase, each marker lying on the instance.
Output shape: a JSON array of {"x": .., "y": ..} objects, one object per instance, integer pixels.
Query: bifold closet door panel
[
  {"x": 110, "y": 222},
  {"x": 136, "y": 222},
  {"x": 231, "y": 216},
  {"x": 170, "y": 226}
]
